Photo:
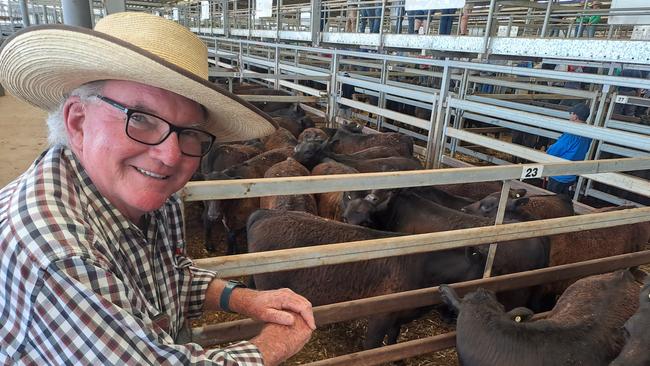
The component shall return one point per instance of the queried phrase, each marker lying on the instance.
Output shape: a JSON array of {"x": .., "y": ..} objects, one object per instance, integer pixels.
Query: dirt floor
[{"x": 23, "y": 139}]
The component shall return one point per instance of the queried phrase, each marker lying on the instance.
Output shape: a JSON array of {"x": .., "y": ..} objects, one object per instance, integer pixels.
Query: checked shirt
[{"x": 82, "y": 285}]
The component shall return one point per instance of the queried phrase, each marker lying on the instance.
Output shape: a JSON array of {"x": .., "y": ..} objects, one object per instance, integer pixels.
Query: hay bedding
[{"x": 327, "y": 341}]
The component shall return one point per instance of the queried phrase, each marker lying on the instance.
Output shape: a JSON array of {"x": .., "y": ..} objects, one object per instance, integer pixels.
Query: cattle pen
[
  {"x": 464, "y": 97},
  {"x": 444, "y": 91},
  {"x": 248, "y": 264}
]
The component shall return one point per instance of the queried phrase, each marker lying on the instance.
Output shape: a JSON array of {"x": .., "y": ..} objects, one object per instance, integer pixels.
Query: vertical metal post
[
  {"x": 226, "y": 18},
  {"x": 250, "y": 21},
  {"x": 509, "y": 26},
  {"x": 114, "y": 6},
  {"x": 45, "y": 20},
  {"x": 505, "y": 190},
  {"x": 458, "y": 116},
  {"x": 24, "y": 13},
  {"x": 383, "y": 78},
  {"x": 278, "y": 21},
  {"x": 547, "y": 17},
  {"x": 56, "y": 15},
  {"x": 11, "y": 15},
  {"x": 381, "y": 31},
  {"x": 333, "y": 91},
  {"x": 435, "y": 140},
  {"x": 315, "y": 22},
  {"x": 488, "y": 29},
  {"x": 77, "y": 12},
  {"x": 277, "y": 67},
  {"x": 236, "y": 14}
]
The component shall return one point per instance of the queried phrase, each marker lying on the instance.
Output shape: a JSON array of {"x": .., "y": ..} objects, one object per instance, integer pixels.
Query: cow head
[
  {"x": 360, "y": 209},
  {"x": 309, "y": 152}
]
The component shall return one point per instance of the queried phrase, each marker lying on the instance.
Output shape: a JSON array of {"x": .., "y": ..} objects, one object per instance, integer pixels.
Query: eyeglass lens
[{"x": 151, "y": 130}]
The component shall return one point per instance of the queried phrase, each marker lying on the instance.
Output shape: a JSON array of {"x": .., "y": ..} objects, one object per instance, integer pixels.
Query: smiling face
[{"x": 136, "y": 178}]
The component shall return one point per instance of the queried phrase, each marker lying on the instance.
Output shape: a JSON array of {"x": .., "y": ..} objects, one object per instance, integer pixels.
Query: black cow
[
  {"x": 407, "y": 212},
  {"x": 584, "y": 328},
  {"x": 637, "y": 344},
  {"x": 521, "y": 208},
  {"x": 273, "y": 230}
]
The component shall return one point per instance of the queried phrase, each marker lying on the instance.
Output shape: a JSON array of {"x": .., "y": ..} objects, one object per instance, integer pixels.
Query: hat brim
[{"x": 43, "y": 64}]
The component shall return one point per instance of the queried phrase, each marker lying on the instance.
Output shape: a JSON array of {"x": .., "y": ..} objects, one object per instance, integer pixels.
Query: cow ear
[{"x": 520, "y": 314}]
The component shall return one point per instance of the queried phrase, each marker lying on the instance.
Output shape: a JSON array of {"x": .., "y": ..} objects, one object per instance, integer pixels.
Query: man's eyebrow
[{"x": 143, "y": 108}]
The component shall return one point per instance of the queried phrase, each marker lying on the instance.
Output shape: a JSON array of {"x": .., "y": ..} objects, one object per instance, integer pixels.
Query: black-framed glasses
[{"x": 152, "y": 130}]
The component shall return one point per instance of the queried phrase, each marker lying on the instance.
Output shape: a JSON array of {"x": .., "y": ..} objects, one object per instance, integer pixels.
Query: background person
[
  {"x": 570, "y": 147},
  {"x": 92, "y": 254}
]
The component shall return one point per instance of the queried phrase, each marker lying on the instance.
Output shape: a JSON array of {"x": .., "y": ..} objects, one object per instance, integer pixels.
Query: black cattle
[
  {"x": 224, "y": 156},
  {"x": 373, "y": 159},
  {"x": 294, "y": 202},
  {"x": 234, "y": 213},
  {"x": 637, "y": 337},
  {"x": 346, "y": 142},
  {"x": 522, "y": 208},
  {"x": 273, "y": 230},
  {"x": 409, "y": 213},
  {"x": 279, "y": 139},
  {"x": 313, "y": 134},
  {"x": 257, "y": 166},
  {"x": 584, "y": 328},
  {"x": 474, "y": 191},
  {"x": 313, "y": 149},
  {"x": 293, "y": 119},
  {"x": 329, "y": 203}
]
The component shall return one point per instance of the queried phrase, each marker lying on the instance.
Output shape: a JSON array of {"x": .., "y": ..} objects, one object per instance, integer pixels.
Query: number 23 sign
[{"x": 531, "y": 171}]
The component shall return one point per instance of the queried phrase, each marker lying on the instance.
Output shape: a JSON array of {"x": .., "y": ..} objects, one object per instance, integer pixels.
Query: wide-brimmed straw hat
[{"x": 42, "y": 64}]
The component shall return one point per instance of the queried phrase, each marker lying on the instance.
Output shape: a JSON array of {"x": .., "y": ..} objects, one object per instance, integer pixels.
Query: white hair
[{"x": 57, "y": 134}]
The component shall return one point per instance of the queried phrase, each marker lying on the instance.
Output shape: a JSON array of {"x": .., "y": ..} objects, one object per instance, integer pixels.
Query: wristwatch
[{"x": 224, "y": 300}]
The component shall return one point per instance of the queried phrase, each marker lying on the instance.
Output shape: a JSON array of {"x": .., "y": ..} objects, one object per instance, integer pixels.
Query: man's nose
[{"x": 168, "y": 151}]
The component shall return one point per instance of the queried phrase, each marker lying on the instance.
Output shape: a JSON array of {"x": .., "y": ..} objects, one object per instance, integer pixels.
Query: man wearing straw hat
[{"x": 92, "y": 264}]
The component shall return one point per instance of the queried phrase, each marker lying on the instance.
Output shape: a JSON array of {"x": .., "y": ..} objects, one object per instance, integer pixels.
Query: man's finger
[
  {"x": 280, "y": 317},
  {"x": 304, "y": 309}
]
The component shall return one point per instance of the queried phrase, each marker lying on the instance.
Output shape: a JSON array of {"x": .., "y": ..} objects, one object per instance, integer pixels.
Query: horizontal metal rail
[
  {"x": 458, "y": 43},
  {"x": 296, "y": 258},
  {"x": 279, "y": 98},
  {"x": 512, "y": 125},
  {"x": 333, "y": 313},
  {"x": 401, "y": 117},
  {"x": 243, "y": 188},
  {"x": 629, "y": 139},
  {"x": 622, "y": 181}
]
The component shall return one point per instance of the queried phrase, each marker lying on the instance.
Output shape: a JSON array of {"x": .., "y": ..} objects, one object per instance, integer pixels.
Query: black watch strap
[{"x": 224, "y": 300}]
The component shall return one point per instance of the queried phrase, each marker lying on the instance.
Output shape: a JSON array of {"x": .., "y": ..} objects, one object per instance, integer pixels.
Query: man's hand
[
  {"x": 274, "y": 306},
  {"x": 279, "y": 342}
]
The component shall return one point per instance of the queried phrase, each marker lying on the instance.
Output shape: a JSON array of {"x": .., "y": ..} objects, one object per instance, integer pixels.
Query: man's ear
[{"x": 74, "y": 115}]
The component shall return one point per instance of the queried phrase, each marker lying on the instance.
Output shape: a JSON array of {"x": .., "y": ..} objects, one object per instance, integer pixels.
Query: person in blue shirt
[{"x": 570, "y": 147}]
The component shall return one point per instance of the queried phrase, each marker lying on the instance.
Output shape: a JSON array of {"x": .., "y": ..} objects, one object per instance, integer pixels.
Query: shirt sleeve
[
  {"x": 559, "y": 148},
  {"x": 84, "y": 315},
  {"x": 201, "y": 279}
]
